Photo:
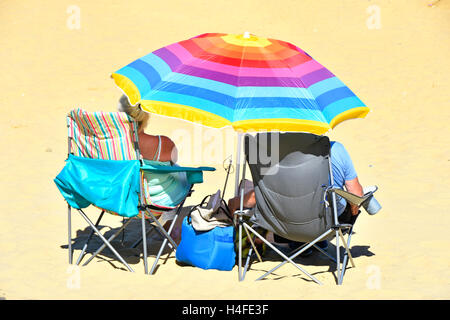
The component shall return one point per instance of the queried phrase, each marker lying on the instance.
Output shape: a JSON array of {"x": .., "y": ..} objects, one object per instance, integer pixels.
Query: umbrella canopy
[{"x": 251, "y": 83}]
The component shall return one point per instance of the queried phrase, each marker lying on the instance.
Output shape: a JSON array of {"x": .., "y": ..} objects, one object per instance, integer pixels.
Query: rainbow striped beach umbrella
[{"x": 248, "y": 82}]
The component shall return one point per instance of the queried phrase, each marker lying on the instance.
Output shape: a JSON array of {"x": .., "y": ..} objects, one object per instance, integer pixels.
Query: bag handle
[
  {"x": 204, "y": 200},
  {"x": 225, "y": 210},
  {"x": 201, "y": 205}
]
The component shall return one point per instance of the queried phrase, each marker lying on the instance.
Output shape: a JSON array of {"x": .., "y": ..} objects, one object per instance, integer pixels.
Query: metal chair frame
[
  {"x": 337, "y": 228},
  {"x": 143, "y": 207}
]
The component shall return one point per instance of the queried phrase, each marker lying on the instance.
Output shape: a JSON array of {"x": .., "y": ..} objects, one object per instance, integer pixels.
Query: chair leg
[
  {"x": 106, "y": 242},
  {"x": 134, "y": 245},
  {"x": 284, "y": 256},
  {"x": 249, "y": 255},
  {"x": 144, "y": 243},
  {"x": 161, "y": 249},
  {"x": 252, "y": 244},
  {"x": 152, "y": 227},
  {"x": 69, "y": 211},
  {"x": 324, "y": 253},
  {"x": 123, "y": 232},
  {"x": 338, "y": 258},
  {"x": 347, "y": 250},
  {"x": 163, "y": 245},
  {"x": 83, "y": 251},
  {"x": 305, "y": 247},
  {"x": 161, "y": 230},
  {"x": 240, "y": 250},
  {"x": 344, "y": 263},
  {"x": 247, "y": 262}
]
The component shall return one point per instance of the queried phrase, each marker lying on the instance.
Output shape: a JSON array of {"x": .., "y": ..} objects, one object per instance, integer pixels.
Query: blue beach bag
[{"x": 213, "y": 249}]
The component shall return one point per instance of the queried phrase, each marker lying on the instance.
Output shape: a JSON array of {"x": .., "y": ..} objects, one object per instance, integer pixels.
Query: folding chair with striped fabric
[{"x": 104, "y": 168}]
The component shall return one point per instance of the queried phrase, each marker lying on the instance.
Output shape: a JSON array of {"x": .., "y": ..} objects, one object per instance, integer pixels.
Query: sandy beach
[{"x": 393, "y": 54}]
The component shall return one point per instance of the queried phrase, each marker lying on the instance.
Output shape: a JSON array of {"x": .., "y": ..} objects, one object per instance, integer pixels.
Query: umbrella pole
[{"x": 238, "y": 163}]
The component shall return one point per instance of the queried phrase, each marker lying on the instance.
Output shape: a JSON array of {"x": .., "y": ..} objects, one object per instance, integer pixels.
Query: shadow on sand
[
  {"x": 133, "y": 256},
  {"x": 122, "y": 244},
  {"x": 316, "y": 258}
]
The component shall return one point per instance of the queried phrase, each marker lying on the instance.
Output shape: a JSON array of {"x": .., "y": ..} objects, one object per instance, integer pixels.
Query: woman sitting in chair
[
  {"x": 155, "y": 148},
  {"x": 168, "y": 189}
]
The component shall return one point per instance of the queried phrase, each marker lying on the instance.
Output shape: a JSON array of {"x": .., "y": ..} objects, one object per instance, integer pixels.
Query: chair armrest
[
  {"x": 244, "y": 212},
  {"x": 168, "y": 169},
  {"x": 350, "y": 197},
  {"x": 194, "y": 175}
]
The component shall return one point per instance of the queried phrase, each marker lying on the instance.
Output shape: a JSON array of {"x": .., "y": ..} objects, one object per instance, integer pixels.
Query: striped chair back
[
  {"x": 106, "y": 136},
  {"x": 102, "y": 135}
]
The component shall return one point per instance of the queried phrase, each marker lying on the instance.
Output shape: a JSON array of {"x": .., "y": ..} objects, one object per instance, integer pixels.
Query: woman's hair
[{"x": 140, "y": 116}]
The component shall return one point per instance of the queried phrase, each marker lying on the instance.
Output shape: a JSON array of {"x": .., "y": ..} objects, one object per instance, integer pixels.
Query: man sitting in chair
[{"x": 344, "y": 175}]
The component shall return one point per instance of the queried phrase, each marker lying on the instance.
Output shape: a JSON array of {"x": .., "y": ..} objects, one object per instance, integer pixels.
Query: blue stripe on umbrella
[
  {"x": 260, "y": 107},
  {"x": 198, "y": 103},
  {"x": 335, "y": 108},
  {"x": 138, "y": 79},
  {"x": 156, "y": 62},
  {"x": 333, "y": 95},
  {"x": 147, "y": 71},
  {"x": 282, "y": 113},
  {"x": 230, "y": 102},
  {"x": 231, "y": 90},
  {"x": 325, "y": 85}
]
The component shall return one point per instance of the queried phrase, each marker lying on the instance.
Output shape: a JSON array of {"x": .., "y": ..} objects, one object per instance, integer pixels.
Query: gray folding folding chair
[{"x": 293, "y": 181}]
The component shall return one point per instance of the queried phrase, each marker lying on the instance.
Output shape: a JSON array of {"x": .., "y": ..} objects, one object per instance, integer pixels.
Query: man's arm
[
  {"x": 353, "y": 186},
  {"x": 249, "y": 201}
]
